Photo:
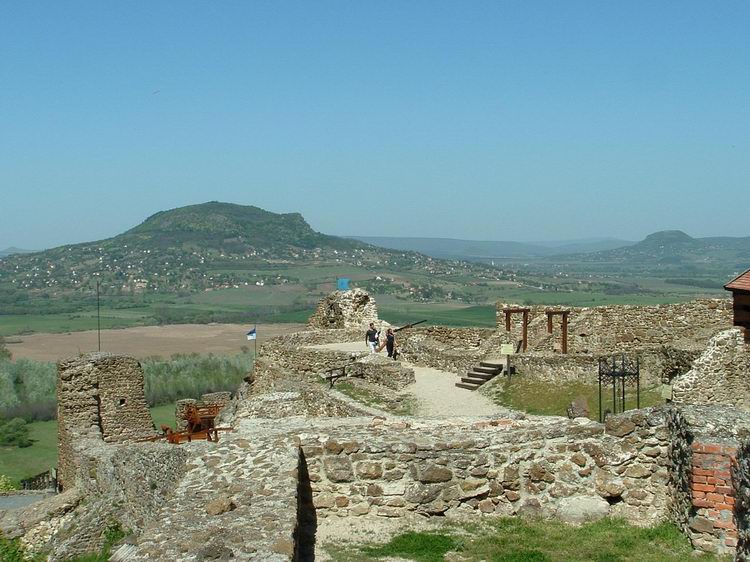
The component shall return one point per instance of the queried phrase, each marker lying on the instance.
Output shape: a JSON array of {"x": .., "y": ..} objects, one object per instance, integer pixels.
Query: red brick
[
  {"x": 731, "y": 533},
  {"x": 698, "y": 479},
  {"x": 713, "y": 513},
  {"x": 725, "y": 474},
  {"x": 726, "y": 490},
  {"x": 730, "y": 542},
  {"x": 703, "y": 487},
  {"x": 697, "y": 494},
  {"x": 716, "y": 498},
  {"x": 725, "y": 525},
  {"x": 701, "y": 502},
  {"x": 729, "y": 500},
  {"x": 697, "y": 447},
  {"x": 714, "y": 449},
  {"x": 702, "y": 472}
]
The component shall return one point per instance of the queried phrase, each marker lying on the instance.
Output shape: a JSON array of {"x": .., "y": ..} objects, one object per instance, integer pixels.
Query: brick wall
[{"x": 713, "y": 494}]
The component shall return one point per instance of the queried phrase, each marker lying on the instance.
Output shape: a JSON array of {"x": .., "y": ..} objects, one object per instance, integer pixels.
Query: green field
[{"x": 19, "y": 463}]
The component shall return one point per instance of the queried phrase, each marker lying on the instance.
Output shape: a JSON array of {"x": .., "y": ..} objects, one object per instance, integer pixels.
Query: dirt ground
[{"x": 146, "y": 341}]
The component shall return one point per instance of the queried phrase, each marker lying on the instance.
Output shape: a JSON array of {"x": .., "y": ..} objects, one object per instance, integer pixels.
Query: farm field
[{"x": 146, "y": 341}]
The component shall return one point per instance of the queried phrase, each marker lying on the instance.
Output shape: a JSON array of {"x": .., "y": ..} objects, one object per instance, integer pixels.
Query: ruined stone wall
[
  {"x": 625, "y": 328},
  {"x": 657, "y": 366},
  {"x": 721, "y": 375},
  {"x": 99, "y": 395},
  {"x": 382, "y": 371},
  {"x": 542, "y": 466},
  {"x": 344, "y": 309},
  {"x": 453, "y": 350}
]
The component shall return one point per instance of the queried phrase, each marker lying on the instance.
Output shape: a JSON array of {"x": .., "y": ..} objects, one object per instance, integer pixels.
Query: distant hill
[
  {"x": 198, "y": 247},
  {"x": 452, "y": 248},
  {"x": 673, "y": 251},
  {"x": 13, "y": 250}
]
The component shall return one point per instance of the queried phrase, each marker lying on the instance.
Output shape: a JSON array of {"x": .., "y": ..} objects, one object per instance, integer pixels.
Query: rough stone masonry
[{"x": 258, "y": 493}]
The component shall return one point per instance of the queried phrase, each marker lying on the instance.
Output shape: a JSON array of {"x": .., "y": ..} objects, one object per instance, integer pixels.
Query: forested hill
[{"x": 199, "y": 247}]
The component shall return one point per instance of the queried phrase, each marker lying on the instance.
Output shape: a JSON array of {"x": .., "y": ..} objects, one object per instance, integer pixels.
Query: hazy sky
[{"x": 501, "y": 120}]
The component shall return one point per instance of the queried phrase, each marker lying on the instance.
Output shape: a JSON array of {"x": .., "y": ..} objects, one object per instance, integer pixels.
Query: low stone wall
[
  {"x": 542, "y": 466},
  {"x": 625, "y": 328},
  {"x": 719, "y": 375},
  {"x": 455, "y": 350},
  {"x": 658, "y": 366},
  {"x": 382, "y": 371}
]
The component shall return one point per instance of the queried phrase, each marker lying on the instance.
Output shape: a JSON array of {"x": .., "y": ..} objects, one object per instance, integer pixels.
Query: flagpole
[{"x": 256, "y": 342}]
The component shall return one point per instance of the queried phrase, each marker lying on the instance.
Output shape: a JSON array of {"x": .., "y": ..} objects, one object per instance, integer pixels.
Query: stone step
[
  {"x": 472, "y": 380},
  {"x": 499, "y": 365},
  {"x": 483, "y": 376},
  {"x": 467, "y": 386},
  {"x": 489, "y": 370}
]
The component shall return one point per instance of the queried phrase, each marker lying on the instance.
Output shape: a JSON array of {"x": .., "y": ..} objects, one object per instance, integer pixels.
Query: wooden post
[
  {"x": 564, "y": 332},
  {"x": 525, "y": 329},
  {"x": 507, "y": 320},
  {"x": 549, "y": 322}
]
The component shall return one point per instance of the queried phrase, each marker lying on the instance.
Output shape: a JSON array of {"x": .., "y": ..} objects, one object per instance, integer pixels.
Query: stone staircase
[{"x": 485, "y": 371}]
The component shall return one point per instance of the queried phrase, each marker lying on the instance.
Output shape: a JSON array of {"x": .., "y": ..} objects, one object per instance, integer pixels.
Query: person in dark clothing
[
  {"x": 390, "y": 343},
  {"x": 371, "y": 338}
]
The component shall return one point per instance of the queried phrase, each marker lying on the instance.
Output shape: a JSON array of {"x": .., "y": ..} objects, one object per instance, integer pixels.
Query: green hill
[
  {"x": 670, "y": 252},
  {"x": 176, "y": 257}
]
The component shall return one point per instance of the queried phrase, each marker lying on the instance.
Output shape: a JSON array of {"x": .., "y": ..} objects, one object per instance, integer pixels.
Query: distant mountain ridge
[
  {"x": 452, "y": 248},
  {"x": 13, "y": 250},
  {"x": 674, "y": 250}
]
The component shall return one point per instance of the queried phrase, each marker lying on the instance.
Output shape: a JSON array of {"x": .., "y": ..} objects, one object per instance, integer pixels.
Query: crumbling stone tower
[
  {"x": 345, "y": 309},
  {"x": 99, "y": 396}
]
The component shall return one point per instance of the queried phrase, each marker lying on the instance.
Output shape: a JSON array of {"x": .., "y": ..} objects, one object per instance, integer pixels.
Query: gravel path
[{"x": 435, "y": 390}]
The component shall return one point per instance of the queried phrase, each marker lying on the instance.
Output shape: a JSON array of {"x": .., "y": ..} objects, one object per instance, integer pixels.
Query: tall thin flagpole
[
  {"x": 98, "y": 318},
  {"x": 256, "y": 342}
]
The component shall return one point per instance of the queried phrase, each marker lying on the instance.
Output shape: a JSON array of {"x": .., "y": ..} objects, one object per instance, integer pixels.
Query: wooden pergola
[
  {"x": 740, "y": 288},
  {"x": 564, "y": 314},
  {"x": 525, "y": 323}
]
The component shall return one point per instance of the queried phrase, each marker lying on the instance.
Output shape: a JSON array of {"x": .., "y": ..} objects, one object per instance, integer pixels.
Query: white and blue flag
[{"x": 251, "y": 335}]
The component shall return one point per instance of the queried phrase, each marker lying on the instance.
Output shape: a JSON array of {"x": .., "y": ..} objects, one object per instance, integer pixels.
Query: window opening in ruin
[{"x": 121, "y": 402}]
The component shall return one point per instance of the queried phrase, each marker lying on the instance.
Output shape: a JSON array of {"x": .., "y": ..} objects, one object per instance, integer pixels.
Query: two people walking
[{"x": 372, "y": 338}]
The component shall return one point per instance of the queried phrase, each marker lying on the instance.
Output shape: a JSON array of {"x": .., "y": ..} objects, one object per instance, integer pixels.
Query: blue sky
[{"x": 488, "y": 120}]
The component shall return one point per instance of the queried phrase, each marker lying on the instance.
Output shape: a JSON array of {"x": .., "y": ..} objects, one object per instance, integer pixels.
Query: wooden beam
[
  {"x": 565, "y": 332},
  {"x": 525, "y": 329}
]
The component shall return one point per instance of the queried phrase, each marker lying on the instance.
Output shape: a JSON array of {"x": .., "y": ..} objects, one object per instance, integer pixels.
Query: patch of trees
[{"x": 700, "y": 283}]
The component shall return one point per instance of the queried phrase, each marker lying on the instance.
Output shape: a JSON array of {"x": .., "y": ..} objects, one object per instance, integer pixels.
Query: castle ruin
[{"x": 301, "y": 454}]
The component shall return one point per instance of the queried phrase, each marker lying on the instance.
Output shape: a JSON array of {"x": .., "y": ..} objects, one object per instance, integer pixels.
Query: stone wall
[
  {"x": 721, "y": 375},
  {"x": 657, "y": 366},
  {"x": 625, "y": 328},
  {"x": 453, "y": 350},
  {"x": 344, "y": 309},
  {"x": 382, "y": 371},
  {"x": 99, "y": 395},
  {"x": 541, "y": 466}
]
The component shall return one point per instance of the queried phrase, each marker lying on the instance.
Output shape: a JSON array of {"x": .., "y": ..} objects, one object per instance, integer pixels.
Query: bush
[
  {"x": 6, "y": 484},
  {"x": 14, "y": 432}
]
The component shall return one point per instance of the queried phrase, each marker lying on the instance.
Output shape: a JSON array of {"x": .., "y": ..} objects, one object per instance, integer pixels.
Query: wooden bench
[{"x": 336, "y": 373}]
